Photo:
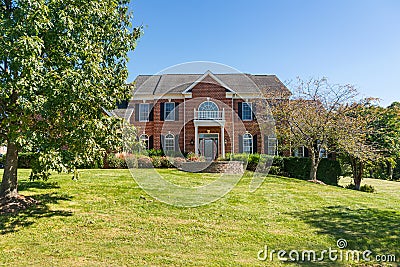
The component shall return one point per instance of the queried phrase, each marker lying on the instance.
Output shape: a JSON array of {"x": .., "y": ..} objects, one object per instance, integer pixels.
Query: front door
[{"x": 208, "y": 146}]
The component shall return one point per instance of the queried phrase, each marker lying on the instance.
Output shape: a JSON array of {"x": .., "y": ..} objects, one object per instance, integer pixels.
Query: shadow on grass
[
  {"x": 13, "y": 222},
  {"x": 363, "y": 229},
  {"x": 26, "y": 185}
]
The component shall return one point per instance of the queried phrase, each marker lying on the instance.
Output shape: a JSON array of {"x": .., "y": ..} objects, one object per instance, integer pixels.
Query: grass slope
[{"x": 105, "y": 219}]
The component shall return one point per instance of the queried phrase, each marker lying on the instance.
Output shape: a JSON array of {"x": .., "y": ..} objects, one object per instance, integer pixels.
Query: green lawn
[{"x": 105, "y": 219}]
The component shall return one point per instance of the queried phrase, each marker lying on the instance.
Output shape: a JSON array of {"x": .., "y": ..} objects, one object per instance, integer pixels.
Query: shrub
[
  {"x": 275, "y": 170},
  {"x": 193, "y": 157},
  {"x": 297, "y": 167},
  {"x": 329, "y": 171},
  {"x": 155, "y": 152},
  {"x": 364, "y": 188},
  {"x": 252, "y": 162},
  {"x": 144, "y": 162},
  {"x": 116, "y": 162},
  {"x": 156, "y": 161},
  {"x": 166, "y": 162},
  {"x": 396, "y": 171}
]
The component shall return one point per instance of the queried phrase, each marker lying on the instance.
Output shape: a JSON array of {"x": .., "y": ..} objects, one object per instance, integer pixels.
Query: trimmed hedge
[
  {"x": 297, "y": 167},
  {"x": 328, "y": 170},
  {"x": 294, "y": 167}
]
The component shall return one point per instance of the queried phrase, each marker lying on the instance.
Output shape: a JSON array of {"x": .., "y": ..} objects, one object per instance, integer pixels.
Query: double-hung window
[
  {"x": 247, "y": 113},
  {"x": 144, "y": 111},
  {"x": 169, "y": 111},
  {"x": 272, "y": 146},
  {"x": 169, "y": 142},
  {"x": 248, "y": 143}
]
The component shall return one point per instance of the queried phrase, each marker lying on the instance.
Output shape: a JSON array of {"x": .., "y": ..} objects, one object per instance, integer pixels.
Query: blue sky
[{"x": 356, "y": 42}]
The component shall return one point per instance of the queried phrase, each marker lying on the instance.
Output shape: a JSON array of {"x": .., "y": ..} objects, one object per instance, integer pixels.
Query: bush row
[{"x": 328, "y": 170}]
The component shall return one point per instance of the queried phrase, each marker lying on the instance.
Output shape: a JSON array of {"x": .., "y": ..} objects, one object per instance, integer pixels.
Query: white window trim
[
  {"x": 169, "y": 118},
  {"x": 300, "y": 154},
  {"x": 140, "y": 111},
  {"x": 251, "y": 111},
  {"x": 169, "y": 137},
  {"x": 251, "y": 141},
  {"x": 274, "y": 146}
]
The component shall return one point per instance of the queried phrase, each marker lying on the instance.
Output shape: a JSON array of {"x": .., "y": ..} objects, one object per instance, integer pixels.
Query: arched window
[
  {"x": 208, "y": 110},
  {"x": 169, "y": 142},
  {"x": 247, "y": 143},
  {"x": 144, "y": 138}
]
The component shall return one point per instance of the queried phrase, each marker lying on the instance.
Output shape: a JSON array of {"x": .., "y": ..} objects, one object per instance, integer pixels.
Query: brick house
[{"x": 207, "y": 114}]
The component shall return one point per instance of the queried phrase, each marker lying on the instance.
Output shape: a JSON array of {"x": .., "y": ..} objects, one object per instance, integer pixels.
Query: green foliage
[
  {"x": 61, "y": 64},
  {"x": 115, "y": 162},
  {"x": 193, "y": 157},
  {"x": 25, "y": 160},
  {"x": 297, "y": 167},
  {"x": 364, "y": 188},
  {"x": 156, "y": 160},
  {"x": 166, "y": 162},
  {"x": 396, "y": 171},
  {"x": 329, "y": 171},
  {"x": 155, "y": 152}
]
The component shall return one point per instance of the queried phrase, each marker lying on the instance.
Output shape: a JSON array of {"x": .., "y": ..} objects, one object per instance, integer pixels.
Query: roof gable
[{"x": 204, "y": 76}]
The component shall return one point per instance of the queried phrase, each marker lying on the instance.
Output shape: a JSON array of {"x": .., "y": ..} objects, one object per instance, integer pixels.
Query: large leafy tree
[
  {"x": 385, "y": 136},
  {"x": 62, "y": 63}
]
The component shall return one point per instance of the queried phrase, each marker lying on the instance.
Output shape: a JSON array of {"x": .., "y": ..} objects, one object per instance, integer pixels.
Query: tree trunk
[
  {"x": 357, "y": 166},
  {"x": 314, "y": 166},
  {"x": 390, "y": 170},
  {"x": 313, "y": 172},
  {"x": 9, "y": 183}
]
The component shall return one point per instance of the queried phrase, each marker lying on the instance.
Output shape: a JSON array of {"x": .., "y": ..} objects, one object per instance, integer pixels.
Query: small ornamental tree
[
  {"x": 312, "y": 116},
  {"x": 356, "y": 143},
  {"x": 62, "y": 64}
]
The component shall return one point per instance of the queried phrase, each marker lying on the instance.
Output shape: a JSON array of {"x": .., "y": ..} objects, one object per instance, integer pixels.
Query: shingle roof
[{"x": 240, "y": 83}]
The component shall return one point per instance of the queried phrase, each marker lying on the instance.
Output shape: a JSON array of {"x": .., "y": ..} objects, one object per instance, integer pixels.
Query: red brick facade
[{"x": 184, "y": 125}]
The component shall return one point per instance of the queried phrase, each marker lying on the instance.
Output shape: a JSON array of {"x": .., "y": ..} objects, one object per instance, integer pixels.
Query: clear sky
[{"x": 348, "y": 41}]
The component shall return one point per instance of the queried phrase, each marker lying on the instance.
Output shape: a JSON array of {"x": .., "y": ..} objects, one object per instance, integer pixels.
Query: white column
[
  {"x": 223, "y": 141},
  {"x": 196, "y": 140}
]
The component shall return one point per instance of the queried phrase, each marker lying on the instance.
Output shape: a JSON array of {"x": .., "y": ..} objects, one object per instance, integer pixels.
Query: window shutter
[
  {"x": 161, "y": 111},
  {"x": 255, "y": 144},
  {"x": 253, "y": 108},
  {"x": 151, "y": 112},
  {"x": 136, "y": 112},
  {"x": 240, "y": 110},
  {"x": 176, "y": 112},
  {"x": 306, "y": 153},
  {"x": 176, "y": 143},
  {"x": 151, "y": 142},
  {"x": 266, "y": 144},
  {"x": 162, "y": 139},
  {"x": 240, "y": 143}
]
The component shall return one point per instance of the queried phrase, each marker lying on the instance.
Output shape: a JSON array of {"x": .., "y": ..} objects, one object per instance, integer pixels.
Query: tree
[
  {"x": 61, "y": 64},
  {"x": 386, "y": 135},
  {"x": 355, "y": 142},
  {"x": 312, "y": 116}
]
